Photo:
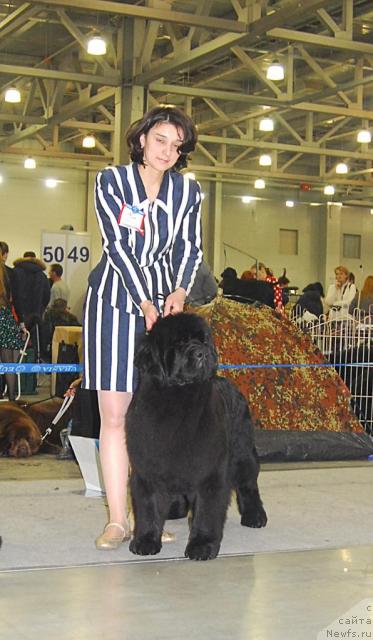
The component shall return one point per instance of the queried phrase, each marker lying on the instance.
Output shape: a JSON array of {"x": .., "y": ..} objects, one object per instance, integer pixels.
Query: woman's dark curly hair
[{"x": 157, "y": 115}]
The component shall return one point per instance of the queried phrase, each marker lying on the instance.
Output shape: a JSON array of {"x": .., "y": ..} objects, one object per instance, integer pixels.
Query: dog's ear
[{"x": 149, "y": 359}]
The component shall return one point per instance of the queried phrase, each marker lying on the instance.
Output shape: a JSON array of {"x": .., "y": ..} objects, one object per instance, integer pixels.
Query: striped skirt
[{"x": 110, "y": 336}]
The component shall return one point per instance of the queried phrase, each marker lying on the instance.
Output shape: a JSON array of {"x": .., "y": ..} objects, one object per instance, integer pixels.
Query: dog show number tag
[{"x": 131, "y": 217}]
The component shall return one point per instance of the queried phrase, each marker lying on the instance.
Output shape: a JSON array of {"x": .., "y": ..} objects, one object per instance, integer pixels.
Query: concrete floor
[
  {"x": 277, "y": 596},
  {"x": 262, "y": 597}
]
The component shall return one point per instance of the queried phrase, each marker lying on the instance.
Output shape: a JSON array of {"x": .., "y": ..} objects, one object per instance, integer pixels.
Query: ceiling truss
[{"x": 211, "y": 58}]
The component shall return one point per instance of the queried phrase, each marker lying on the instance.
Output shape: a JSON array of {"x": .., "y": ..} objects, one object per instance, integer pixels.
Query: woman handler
[{"x": 149, "y": 218}]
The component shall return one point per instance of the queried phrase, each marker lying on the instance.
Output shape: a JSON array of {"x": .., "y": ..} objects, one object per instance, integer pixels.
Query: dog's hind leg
[
  {"x": 249, "y": 503},
  {"x": 150, "y": 510},
  {"x": 209, "y": 511}
]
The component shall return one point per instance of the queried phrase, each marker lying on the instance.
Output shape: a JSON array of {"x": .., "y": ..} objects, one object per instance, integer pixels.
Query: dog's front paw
[
  {"x": 200, "y": 548},
  {"x": 255, "y": 518},
  {"x": 147, "y": 545}
]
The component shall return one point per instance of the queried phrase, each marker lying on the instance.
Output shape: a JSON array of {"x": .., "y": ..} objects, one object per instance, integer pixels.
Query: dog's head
[
  {"x": 19, "y": 435},
  {"x": 178, "y": 350}
]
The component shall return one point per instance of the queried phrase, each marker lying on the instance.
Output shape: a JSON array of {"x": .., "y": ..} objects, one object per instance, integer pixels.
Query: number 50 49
[{"x": 57, "y": 254}]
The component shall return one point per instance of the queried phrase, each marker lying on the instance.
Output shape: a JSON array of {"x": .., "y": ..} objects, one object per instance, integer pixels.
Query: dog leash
[{"x": 64, "y": 407}]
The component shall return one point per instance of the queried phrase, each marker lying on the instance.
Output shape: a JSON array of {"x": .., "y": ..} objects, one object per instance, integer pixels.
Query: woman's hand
[
  {"x": 150, "y": 313},
  {"x": 174, "y": 302},
  {"x": 71, "y": 391}
]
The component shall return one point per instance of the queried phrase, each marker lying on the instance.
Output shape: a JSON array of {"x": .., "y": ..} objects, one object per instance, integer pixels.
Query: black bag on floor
[
  {"x": 86, "y": 415},
  {"x": 67, "y": 354}
]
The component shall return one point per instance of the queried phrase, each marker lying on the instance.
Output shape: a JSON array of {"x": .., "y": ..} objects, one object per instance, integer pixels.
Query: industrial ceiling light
[
  {"x": 29, "y": 163},
  {"x": 275, "y": 71},
  {"x": 265, "y": 160},
  {"x": 266, "y": 124},
  {"x": 364, "y": 136},
  {"x": 289, "y": 203},
  {"x": 96, "y": 46},
  {"x": 329, "y": 190},
  {"x": 89, "y": 142},
  {"x": 12, "y": 95},
  {"x": 246, "y": 199},
  {"x": 259, "y": 183},
  {"x": 51, "y": 183},
  {"x": 341, "y": 167}
]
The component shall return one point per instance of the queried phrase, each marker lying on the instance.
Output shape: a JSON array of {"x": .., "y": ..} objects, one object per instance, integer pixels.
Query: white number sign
[{"x": 72, "y": 250}]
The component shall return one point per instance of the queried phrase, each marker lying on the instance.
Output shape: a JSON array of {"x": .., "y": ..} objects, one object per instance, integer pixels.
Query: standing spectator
[
  {"x": 364, "y": 299},
  {"x": 310, "y": 302},
  {"x": 31, "y": 293},
  {"x": 340, "y": 295},
  {"x": 4, "y": 252},
  {"x": 59, "y": 289},
  {"x": 205, "y": 287},
  {"x": 10, "y": 334}
]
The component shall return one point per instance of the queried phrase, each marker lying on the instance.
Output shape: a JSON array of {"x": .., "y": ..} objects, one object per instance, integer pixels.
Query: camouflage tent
[{"x": 300, "y": 412}]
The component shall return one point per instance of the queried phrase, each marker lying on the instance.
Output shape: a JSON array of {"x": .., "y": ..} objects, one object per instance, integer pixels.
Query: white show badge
[{"x": 131, "y": 217}]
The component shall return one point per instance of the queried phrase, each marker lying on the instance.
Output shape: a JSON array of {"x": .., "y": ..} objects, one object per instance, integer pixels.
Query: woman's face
[
  {"x": 341, "y": 277},
  {"x": 161, "y": 146},
  {"x": 262, "y": 274}
]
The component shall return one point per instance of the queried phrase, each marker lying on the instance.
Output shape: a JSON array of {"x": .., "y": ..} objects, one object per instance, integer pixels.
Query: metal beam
[
  {"x": 66, "y": 112},
  {"x": 210, "y": 50},
  {"x": 81, "y": 38},
  {"x": 8, "y": 26},
  {"x": 279, "y": 146},
  {"x": 159, "y": 87},
  {"x": 322, "y": 74},
  {"x": 251, "y": 64},
  {"x": 147, "y": 13},
  {"x": 112, "y": 80},
  {"x": 9, "y": 19},
  {"x": 53, "y": 153},
  {"x": 260, "y": 172},
  {"x": 91, "y": 126},
  {"x": 320, "y": 41},
  {"x": 20, "y": 118}
]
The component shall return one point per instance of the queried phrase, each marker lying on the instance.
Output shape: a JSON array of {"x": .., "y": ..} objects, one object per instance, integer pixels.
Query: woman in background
[
  {"x": 340, "y": 295},
  {"x": 363, "y": 300},
  {"x": 10, "y": 334},
  {"x": 261, "y": 272}
]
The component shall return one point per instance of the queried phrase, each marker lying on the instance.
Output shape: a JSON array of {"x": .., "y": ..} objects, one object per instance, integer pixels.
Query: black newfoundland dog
[{"x": 189, "y": 437}]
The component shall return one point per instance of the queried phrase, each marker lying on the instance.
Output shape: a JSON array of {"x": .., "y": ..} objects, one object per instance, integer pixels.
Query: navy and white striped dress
[{"x": 136, "y": 266}]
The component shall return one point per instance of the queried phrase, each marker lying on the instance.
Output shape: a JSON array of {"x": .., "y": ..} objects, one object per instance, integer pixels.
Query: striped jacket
[{"x": 163, "y": 255}]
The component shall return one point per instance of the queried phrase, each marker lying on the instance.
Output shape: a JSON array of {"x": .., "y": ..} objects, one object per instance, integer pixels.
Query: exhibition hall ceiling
[{"x": 211, "y": 57}]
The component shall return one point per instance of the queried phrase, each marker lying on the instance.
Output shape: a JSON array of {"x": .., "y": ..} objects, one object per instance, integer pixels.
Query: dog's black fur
[{"x": 189, "y": 433}]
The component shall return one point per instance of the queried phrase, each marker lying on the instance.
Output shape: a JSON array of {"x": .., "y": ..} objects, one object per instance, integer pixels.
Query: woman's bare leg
[{"x": 113, "y": 407}]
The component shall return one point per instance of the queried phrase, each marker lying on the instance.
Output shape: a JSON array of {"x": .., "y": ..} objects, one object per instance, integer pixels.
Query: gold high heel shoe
[{"x": 106, "y": 541}]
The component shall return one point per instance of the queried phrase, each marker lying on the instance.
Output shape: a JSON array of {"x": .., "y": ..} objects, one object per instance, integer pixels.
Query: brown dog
[{"x": 19, "y": 434}]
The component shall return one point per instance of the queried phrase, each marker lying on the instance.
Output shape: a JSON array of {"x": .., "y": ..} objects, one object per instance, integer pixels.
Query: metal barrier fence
[{"x": 347, "y": 344}]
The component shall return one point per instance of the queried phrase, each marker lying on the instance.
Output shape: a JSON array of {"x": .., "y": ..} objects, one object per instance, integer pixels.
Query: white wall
[
  {"x": 356, "y": 220},
  {"x": 27, "y": 207},
  {"x": 253, "y": 230}
]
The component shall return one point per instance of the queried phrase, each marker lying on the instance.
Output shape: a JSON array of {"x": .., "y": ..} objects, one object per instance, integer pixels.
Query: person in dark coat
[
  {"x": 31, "y": 293},
  {"x": 205, "y": 287},
  {"x": 310, "y": 300},
  {"x": 246, "y": 290}
]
